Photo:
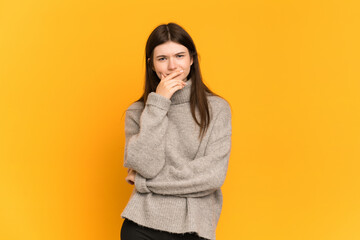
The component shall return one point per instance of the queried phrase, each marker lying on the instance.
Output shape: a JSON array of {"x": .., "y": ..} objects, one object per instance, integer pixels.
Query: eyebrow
[{"x": 165, "y": 56}]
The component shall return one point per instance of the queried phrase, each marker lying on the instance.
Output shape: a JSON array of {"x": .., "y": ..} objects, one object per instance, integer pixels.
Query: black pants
[{"x": 132, "y": 231}]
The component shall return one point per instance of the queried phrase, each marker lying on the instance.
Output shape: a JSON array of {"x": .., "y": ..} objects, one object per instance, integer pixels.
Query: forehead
[{"x": 169, "y": 48}]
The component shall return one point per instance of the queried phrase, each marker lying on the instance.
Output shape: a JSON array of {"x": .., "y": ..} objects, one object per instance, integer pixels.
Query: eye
[
  {"x": 180, "y": 55},
  {"x": 160, "y": 59}
]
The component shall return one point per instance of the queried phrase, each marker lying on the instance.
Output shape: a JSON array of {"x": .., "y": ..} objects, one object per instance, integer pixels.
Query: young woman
[{"x": 177, "y": 147}]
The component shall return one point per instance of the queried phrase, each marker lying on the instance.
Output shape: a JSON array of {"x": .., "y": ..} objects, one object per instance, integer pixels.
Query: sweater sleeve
[
  {"x": 201, "y": 176},
  {"x": 145, "y": 137}
]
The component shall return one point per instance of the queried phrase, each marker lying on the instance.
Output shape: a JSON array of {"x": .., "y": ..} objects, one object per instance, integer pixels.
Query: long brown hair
[{"x": 175, "y": 33}]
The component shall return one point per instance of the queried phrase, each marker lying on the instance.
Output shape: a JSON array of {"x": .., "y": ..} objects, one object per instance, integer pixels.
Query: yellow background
[{"x": 290, "y": 70}]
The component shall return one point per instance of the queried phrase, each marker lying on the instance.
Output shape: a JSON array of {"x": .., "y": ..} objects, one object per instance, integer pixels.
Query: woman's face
[{"x": 170, "y": 55}]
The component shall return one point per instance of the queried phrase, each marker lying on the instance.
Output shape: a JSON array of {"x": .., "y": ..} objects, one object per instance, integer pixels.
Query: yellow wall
[{"x": 290, "y": 70}]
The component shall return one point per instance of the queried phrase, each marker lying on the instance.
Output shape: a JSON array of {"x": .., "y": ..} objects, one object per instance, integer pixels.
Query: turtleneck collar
[{"x": 182, "y": 95}]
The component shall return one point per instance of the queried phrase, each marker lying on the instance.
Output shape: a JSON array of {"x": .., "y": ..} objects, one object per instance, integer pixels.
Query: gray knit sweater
[{"x": 178, "y": 179}]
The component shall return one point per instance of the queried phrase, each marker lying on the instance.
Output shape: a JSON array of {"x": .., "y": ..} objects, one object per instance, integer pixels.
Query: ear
[{"x": 191, "y": 60}]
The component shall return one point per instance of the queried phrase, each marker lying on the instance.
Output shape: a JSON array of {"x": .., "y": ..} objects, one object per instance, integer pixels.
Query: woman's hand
[
  {"x": 130, "y": 178},
  {"x": 168, "y": 85}
]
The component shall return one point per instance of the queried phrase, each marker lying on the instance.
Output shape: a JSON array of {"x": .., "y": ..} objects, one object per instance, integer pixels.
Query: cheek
[
  {"x": 187, "y": 64},
  {"x": 159, "y": 68},
  {"x": 183, "y": 65}
]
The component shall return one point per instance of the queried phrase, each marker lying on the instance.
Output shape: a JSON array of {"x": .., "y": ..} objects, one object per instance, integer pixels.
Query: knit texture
[{"x": 178, "y": 179}]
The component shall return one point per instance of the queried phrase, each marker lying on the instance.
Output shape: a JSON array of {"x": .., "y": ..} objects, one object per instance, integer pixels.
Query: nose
[{"x": 172, "y": 64}]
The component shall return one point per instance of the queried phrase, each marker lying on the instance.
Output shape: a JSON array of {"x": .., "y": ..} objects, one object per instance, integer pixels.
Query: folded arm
[
  {"x": 201, "y": 176},
  {"x": 145, "y": 136}
]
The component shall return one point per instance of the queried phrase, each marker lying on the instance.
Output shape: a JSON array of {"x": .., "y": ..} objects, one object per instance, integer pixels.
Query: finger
[
  {"x": 174, "y": 82},
  {"x": 163, "y": 77},
  {"x": 130, "y": 181},
  {"x": 175, "y": 88},
  {"x": 173, "y": 74}
]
